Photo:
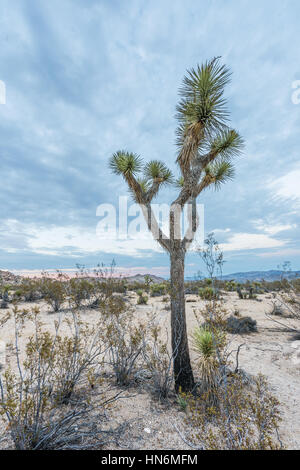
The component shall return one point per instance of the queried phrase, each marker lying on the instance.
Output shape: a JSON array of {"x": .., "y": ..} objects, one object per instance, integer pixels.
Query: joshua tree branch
[
  {"x": 193, "y": 218},
  {"x": 144, "y": 200}
]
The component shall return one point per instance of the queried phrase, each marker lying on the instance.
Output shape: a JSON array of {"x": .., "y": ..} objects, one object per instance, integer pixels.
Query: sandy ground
[{"x": 269, "y": 351}]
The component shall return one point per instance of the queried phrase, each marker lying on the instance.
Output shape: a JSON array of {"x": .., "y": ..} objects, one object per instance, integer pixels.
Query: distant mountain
[
  {"x": 141, "y": 278},
  {"x": 8, "y": 277},
  {"x": 272, "y": 275}
]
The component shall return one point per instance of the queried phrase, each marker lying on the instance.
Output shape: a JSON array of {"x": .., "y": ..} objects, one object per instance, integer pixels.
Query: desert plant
[
  {"x": 244, "y": 419},
  {"x": 240, "y": 325},
  {"x": 202, "y": 126},
  {"x": 124, "y": 339},
  {"x": 30, "y": 289},
  {"x": 78, "y": 291},
  {"x": 142, "y": 299},
  {"x": 230, "y": 286},
  {"x": 76, "y": 357},
  {"x": 206, "y": 293},
  {"x": 5, "y": 298},
  {"x": 29, "y": 396},
  {"x": 158, "y": 361},
  {"x": 182, "y": 402},
  {"x": 54, "y": 292},
  {"x": 205, "y": 345},
  {"x": 157, "y": 290}
]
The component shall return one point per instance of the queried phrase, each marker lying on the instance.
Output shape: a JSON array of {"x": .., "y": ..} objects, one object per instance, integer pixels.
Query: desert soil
[{"x": 270, "y": 351}]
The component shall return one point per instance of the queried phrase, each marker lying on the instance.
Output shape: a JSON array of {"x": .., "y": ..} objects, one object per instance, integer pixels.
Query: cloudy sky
[{"x": 85, "y": 78}]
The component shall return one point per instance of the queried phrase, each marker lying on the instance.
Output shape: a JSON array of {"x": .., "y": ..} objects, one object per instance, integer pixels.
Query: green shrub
[
  {"x": 207, "y": 293},
  {"x": 157, "y": 290},
  {"x": 54, "y": 292}
]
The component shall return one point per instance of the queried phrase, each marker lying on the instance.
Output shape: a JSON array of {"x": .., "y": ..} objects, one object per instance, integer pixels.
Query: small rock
[{"x": 147, "y": 430}]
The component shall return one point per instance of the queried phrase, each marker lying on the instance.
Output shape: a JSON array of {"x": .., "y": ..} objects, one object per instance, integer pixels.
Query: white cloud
[
  {"x": 272, "y": 229},
  {"x": 71, "y": 241},
  {"x": 285, "y": 252},
  {"x": 287, "y": 186},
  {"x": 250, "y": 241}
]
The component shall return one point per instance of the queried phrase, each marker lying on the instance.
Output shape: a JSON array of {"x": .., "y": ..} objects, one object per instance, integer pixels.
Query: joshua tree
[{"x": 206, "y": 146}]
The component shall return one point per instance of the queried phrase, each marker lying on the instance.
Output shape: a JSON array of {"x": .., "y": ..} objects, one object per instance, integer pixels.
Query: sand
[{"x": 270, "y": 351}]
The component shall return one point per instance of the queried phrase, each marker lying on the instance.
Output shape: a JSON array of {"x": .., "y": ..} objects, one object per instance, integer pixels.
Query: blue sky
[{"x": 85, "y": 78}]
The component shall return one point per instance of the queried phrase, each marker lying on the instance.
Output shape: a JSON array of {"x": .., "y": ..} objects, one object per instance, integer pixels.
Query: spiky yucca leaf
[
  {"x": 125, "y": 163},
  {"x": 179, "y": 183},
  {"x": 220, "y": 172},
  {"x": 202, "y": 96},
  {"x": 203, "y": 342},
  {"x": 202, "y": 109},
  {"x": 227, "y": 144},
  {"x": 156, "y": 170}
]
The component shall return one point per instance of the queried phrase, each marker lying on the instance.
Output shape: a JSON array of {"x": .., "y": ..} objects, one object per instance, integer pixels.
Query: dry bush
[
  {"x": 30, "y": 290},
  {"x": 243, "y": 419},
  {"x": 4, "y": 297},
  {"x": 32, "y": 397},
  {"x": 227, "y": 412},
  {"x": 142, "y": 299},
  {"x": 124, "y": 339},
  {"x": 158, "y": 362},
  {"x": 78, "y": 291},
  {"x": 53, "y": 291},
  {"x": 207, "y": 293},
  {"x": 77, "y": 357},
  {"x": 242, "y": 325}
]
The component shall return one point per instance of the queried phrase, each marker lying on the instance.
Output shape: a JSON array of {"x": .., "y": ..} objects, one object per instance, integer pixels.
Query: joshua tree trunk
[{"x": 183, "y": 373}]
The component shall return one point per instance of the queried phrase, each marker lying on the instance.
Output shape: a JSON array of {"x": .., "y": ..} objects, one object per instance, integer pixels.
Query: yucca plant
[
  {"x": 206, "y": 146},
  {"x": 205, "y": 344}
]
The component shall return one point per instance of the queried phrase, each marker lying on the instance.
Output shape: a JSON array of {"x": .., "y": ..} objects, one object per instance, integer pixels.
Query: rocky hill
[
  {"x": 7, "y": 277},
  {"x": 141, "y": 278},
  {"x": 272, "y": 275}
]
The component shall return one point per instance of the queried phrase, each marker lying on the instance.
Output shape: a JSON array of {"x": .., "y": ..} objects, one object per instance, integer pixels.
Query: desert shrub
[
  {"x": 278, "y": 310},
  {"x": 157, "y": 290},
  {"x": 78, "y": 291},
  {"x": 17, "y": 295},
  {"x": 124, "y": 339},
  {"x": 227, "y": 412},
  {"x": 159, "y": 362},
  {"x": 241, "y": 325},
  {"x": 135, "y": 286},
  {"x": 5, "y": 297},
  {"x": 31, "y": 396},
  {"x": 207, "y": 293},
  {"x": 214, "y": 316},
  {"x": 30, "y": 289},
  {"x": 182, "y": 401},
  {"x": 76, "y": 357},
  {"x": 142, "y": 299},
  {"x": 245, "y": 418},
  {"x": 54, "y": 292},
  {"x": 230, "y": 286}
]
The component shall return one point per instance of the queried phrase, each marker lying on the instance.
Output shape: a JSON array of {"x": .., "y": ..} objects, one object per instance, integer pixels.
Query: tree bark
[{"x": 183, "y": 374}]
